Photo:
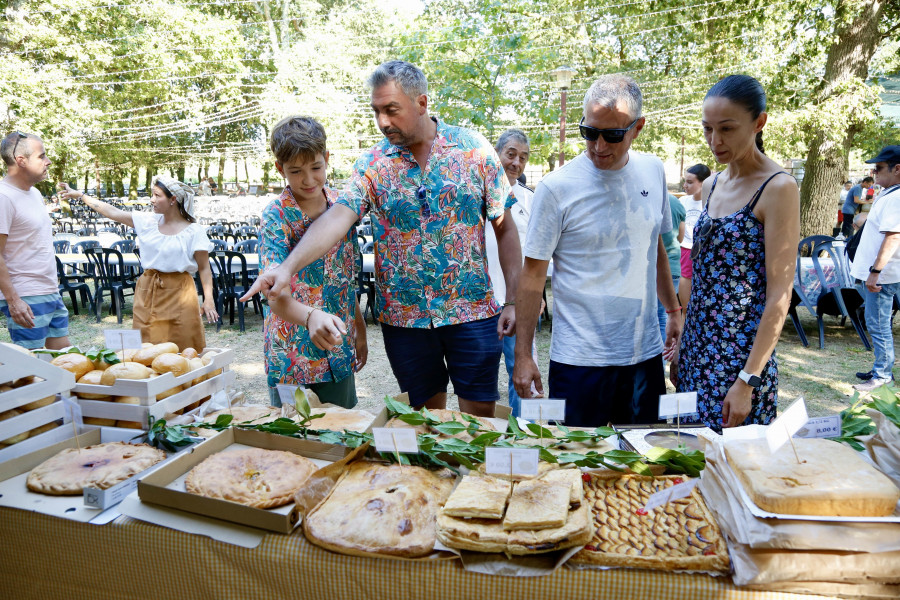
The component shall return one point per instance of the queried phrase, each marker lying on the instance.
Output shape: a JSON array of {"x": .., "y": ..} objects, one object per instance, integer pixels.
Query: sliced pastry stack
[{"x": 540, "y": 515}]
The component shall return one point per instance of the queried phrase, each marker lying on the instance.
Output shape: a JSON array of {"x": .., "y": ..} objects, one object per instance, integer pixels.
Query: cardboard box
[
  {"x": 165, "y": 486},
  {"x": 148, "y": 389},
  {"x": 84, "y": 507},
  {"x": 158, "y": 409},
  {"x": 49, "y": 381}
]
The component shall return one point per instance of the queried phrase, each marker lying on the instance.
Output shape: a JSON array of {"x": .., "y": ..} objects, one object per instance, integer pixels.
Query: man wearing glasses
[
  {"x": 430, "y": 188},
  {"x": 876, "y": 266},
  {"x": 600, "y": 218},
  {"x": 35, "y": 313}
]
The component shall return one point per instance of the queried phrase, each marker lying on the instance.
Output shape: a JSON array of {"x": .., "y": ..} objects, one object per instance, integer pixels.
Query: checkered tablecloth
[{"x": 46, "y": 557}]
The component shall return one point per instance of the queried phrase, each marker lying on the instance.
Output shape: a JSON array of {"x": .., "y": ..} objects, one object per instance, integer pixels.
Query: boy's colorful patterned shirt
[
  {"x": 327, "y": 284},
  {"x": 430, "y": 263}
]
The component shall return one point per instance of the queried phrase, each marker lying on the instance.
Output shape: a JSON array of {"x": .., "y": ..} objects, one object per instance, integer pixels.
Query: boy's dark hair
[
  {"x": 297, "y": 136},
  {"x": 868, "y": 180},
  {"x": 700, "y": 171}
]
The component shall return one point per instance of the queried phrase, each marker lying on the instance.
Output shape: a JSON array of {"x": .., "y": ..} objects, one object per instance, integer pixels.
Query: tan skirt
[{"x": 167, "y": 309}]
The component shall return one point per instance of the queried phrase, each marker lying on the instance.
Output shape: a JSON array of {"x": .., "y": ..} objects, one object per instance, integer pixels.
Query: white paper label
[
  {"x": 73, "y": 410},
  {"x": 543, "y": 409},
  {"x": 673, "y": 405},
  {"x": 521, "y": 461},
  {"x": 786, "y": 425},
  {"x": 395, "y": 439},
  {"x": 117, "y": 339},
  {"x": 821, "y": 427},
  {"x": 286, "y": 393},
  {"x": 675, "y": 492}
]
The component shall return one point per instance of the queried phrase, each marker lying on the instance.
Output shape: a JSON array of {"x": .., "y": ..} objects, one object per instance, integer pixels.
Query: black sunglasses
[
  {"x": 610, "y": 136},
  {"x": 706, "y": 231},
  {"x": 421, "y": 196},
  {"x": 20, "y": 136}
]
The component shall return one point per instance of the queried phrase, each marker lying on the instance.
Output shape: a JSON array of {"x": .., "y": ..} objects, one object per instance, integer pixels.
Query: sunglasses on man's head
[
  {"x": 610, "y": 136},
  {"x": 19, "y": 136}
]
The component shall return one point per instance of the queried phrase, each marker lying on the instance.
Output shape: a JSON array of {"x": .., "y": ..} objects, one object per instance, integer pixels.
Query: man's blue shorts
[
  {"x": 51, "y": 320},
  {"x": 424, "y": 360}
]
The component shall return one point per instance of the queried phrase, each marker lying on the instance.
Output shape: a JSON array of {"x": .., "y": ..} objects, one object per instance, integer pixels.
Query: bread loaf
[
  {"x": 124, "y": 370},
  {"x": 831, "y": 480},
  {"x": 170, "y": 363},
  {"x": 9, "y": 414},
  {"x": 91, "y": 378},
  {"x": 78, "y": 364}
]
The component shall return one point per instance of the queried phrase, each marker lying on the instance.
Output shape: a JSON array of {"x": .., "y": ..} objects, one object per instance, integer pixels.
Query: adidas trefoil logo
[{"x": 645, "y": 193}]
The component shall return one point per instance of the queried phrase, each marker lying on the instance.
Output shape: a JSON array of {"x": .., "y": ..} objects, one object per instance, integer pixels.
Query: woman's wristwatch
[{"x": 753, "y": 381}]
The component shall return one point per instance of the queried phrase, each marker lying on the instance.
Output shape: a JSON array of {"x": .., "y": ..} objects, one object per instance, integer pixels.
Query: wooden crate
[{"x": 50, "y": 380}]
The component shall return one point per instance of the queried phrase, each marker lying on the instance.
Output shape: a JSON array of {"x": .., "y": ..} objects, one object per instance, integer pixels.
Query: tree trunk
[
  {"x": 247, "y": 173},
  {"x": 856, "y": 38},
  {"x": 148, "y": 179},
  {"x": 97, "y": 175},
  {"x": 180, "y": 173},
  {"x": 119, "y": 180},
  {"x": 133, "y": 183},
  {"x": 59, "y": 168},
  {"x": 87, "y": 178},
  {"x": 221, "y": 174},
  {"x": 206, "y": 168},
  {"x": 199, "y": 173}
]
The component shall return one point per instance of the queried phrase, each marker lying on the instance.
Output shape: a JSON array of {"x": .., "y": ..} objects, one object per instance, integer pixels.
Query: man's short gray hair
[
  {"x": 9, "y": 144},
  {"x": 609, "y": 90},
  {"x": 408, "y": 76},
  {"x": 511, "y": 135}
]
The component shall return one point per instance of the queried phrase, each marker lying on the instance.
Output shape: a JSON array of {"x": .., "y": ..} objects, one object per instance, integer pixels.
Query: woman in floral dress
[{"x": 744, "y": 253}]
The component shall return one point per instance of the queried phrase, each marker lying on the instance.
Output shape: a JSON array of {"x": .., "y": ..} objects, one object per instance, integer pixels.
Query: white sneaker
[{"x": 872, "y": 384}]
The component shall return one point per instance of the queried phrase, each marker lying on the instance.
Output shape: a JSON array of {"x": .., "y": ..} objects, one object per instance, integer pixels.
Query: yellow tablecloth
[{"x": 46, "y": 557}]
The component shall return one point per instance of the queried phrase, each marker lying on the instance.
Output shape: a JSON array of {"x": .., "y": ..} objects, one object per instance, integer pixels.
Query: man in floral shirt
[{"x": 430, "y": 189}]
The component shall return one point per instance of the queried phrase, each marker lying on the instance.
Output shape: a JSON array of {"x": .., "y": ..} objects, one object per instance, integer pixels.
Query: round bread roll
[
  {"x": 17, "y": 348},
  {"x": 101, "y": 365},
  {"x": 124, "y": 370},
  {"x": 194, "y": 364},
  {"x": 128, "y": 400},
  {"x": 6, "y": 388},
  {"x": 171, "y": 363},
  {"x": 92, "y": 378},
  {"x": 38, "y": 403},
  {"x": 172, "y": 391},
  {"x": 190, "y": 353},
  {"x": 99, "y": 421},
  {"x": 145, "y": 356},
  {"x": 129, "y": 425},
  {"x": 147, "y": 344},
  {"x": 16, "y": 438},
  {"x": 22, "y": 382},
  {"x": 78, "y": 364},
  {"x": 43, "y": 428}
]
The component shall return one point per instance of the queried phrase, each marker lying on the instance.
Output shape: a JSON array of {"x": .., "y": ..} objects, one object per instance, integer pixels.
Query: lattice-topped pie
[{"x": 679, "y": 535}]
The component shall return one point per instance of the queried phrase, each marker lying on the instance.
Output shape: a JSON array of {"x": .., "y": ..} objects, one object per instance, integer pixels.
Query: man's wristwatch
[
  {"x": 874, "y": 270},
  {"x": 753, "y": 381}
]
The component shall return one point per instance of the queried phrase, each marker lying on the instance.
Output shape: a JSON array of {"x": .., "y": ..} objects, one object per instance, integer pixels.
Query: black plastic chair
[
  {"x": 74, "y": 285},
  {"x": 231, "y": 281},
  {"x": 82, "y": 247},
  {"x": 219, "y": 244},
  {"x": 61, "y": 246},
  {"x": 247, "y": 246},
  {"x": 243, "y": 233},
  {"x": 111, "y": 276},
  {"x": 839, "y": 298}
]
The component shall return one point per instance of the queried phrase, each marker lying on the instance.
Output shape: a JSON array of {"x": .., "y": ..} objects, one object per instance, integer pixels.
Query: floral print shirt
[
  {"x": 430, "y": 260},
  {"x": 326, "y": 284}
]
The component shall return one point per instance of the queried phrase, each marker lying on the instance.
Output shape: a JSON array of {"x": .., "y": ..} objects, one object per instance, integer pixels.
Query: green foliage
[{"x": 93, "y": 353}]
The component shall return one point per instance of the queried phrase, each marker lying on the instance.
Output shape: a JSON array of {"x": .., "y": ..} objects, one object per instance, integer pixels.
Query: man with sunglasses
[
  {"x": 600, "y": 218},
  {"x": 29, "y": 291},
  {"x": 876, "y": 266},
  {"x": 431, "y": 190}
]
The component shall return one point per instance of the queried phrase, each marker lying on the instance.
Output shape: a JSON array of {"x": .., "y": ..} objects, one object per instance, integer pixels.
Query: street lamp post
[{"x": 563, "y": 77}]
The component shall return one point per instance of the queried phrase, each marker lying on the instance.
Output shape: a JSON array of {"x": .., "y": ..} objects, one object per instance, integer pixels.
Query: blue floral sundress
[{"x": 728, "y": 295}]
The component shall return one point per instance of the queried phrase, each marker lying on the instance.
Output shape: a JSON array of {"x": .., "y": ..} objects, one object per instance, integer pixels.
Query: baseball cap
[{"x": 888, "y": 154}]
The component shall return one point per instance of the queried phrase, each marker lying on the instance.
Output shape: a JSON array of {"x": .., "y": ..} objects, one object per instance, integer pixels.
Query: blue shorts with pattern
[{"x": 51, "y": 320}]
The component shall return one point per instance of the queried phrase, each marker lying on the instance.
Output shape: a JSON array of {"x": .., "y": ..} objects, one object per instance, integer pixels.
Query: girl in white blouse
[{"x": 173, "y": 247}]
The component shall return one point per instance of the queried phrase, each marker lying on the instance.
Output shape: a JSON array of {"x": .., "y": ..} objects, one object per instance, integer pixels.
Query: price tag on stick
[
  {"x": 120, "y": 339},
  {"x": 677, "y": 405},
  {"x": 786, "y": 425},
  {"x": 286, "y": 393},
  {"x": 549, "y": 409},
  {"x": 395, "y": 439},
  {"x": 522, "y": 461}
]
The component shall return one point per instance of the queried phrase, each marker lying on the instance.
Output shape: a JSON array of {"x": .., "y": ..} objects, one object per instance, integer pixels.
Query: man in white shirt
[
  {"x": 600, "y": 218},
  {"x": 29, "y": 291},
  {"x": 513, "y": 148},
  {"x": 877, "y": 265}
]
